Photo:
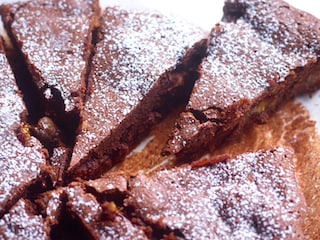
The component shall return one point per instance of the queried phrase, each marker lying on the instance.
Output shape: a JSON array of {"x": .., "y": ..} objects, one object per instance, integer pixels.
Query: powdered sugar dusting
[
  {"x": 250, "y": 197},
  {"x": 83, "y": 205},
  {"x": 252, "y": 65},
  {"x": 285, "y": 26},
  {"x": 136, "y": 49},
  {"x": 241, "y": 65},
  {"x": 19, "y": 165},
  {"x": 20, "y": 223},
  {"x": 56, "y": 48},
  {"x": 89, "y": 211},
  {"x": 54, "y": 205},
  {"x": 9, "y": 101}
]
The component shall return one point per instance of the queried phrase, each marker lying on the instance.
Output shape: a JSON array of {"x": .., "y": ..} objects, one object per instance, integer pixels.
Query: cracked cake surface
[
  {"x": 101, "y": 221},
  {"x": 262, "y": 54},
  {"x": 254, "y": 195}
]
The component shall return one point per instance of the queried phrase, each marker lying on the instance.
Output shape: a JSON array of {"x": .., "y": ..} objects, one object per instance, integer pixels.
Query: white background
[{"x": 206, "y": 13}]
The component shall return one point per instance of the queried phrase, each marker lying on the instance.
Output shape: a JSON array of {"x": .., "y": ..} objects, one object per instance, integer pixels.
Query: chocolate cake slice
[
  {"x": 265, "y": 53},
  {"x": 143, "y": 65},
  {"x": 53, "y": 39},
  {"x": 253, "y": 196},
  {"x": 100, "y": 221},
  {"x": 23, "y": 222},
  {"x": 51, "y": 204},
  {"x": 22, "y": 157}
]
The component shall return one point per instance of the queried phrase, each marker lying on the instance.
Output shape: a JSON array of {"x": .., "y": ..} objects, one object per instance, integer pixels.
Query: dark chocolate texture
[
  {"x": 100, "y": 221},
  {"x": 141, "y": 66},
  {"x": 22, "y": 222},
  {"x": 267, "y": 53},
  {"x": 22, "y": 157},
  {"x": 55, "y": 45},
  {"x": 253, "y": 196}
]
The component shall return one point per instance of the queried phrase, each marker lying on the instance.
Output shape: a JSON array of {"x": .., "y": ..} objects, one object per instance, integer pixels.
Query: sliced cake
[
  {"x": 52, "y": 39},
  {"x": 22, "y": 157},
  {"x": 143, "y": 65},
  {"x": 100, "y": 221},
  {"x": 253, "y": 196},
  {"x": 112, "y": 183},
  {"x": 51, "y": 204},
  {"x": 23, "y": 222},
  {"x": 265, "y": 53}
]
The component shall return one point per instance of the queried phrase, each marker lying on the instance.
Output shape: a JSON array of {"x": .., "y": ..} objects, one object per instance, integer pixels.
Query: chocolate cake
[
  {"x": 111, "y": 183},
  {"x": 54, "y": 44},
  {"x": 22, "y": 222},
  {"x": 101, "y": 221},
  {"x": 253, "y": 196},
  {"x": 50, "y": 205},
  {"x": 143, "y": 65},
  {"x": 100, "y": 90},
  {"x": 22, "y": 157},
  {"x": 264, "y": 53}
]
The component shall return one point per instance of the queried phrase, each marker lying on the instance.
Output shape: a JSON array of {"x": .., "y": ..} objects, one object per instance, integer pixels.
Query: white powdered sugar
[
  {"x": 136, "y": 49},
  {"x": 55, "y": 49},
  {"x": 19, "y": 165},
  {"x": 20, "y": 223},
  {"x": 252, "y": 196}
]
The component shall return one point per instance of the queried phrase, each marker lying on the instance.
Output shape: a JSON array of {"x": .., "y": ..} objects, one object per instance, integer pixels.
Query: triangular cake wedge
[
  {"x": 144, "y": 63},
  {"x": 265, "y": 53},
  {"x": 22, "y": 157},
  {"x": 53, "y": 39},
  {"x": 253, "y": 196}
]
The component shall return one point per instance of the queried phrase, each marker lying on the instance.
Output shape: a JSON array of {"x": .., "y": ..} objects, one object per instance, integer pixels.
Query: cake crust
[
  {"x": 254, "y": 195},
  {"x": 22, "y": 157},
  {"x": 142, "y": 64},
  {"x": 54, "y": 44},
  {"x": 22, "y": 222},
  {"x": 261, "y": 57}
]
